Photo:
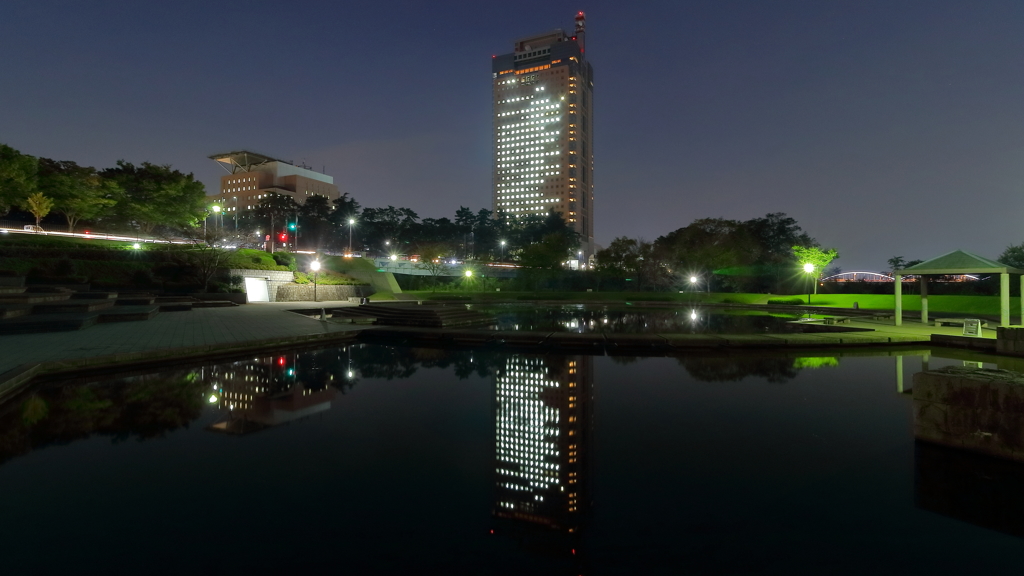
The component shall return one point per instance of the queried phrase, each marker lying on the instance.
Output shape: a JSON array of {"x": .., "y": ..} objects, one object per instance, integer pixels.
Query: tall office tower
[
  {"x": 544, "y": 130},
  {"x": 542, "y": 431}
]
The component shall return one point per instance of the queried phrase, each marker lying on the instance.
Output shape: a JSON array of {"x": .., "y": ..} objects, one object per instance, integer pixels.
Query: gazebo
[{"x": 954, "y": 263}]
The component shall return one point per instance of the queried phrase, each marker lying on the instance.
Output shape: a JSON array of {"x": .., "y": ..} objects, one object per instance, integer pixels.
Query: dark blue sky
[{"x": 884, "y": 127}]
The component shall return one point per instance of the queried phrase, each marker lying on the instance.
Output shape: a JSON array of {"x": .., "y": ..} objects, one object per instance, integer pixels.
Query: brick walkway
[{"x": 201, "y": 329}]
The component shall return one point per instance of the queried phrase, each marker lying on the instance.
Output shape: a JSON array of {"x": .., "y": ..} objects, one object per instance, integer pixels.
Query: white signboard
[{"x": 972, "y": 327}]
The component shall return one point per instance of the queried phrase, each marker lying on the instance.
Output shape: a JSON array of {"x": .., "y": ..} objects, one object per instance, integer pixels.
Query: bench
[{"x": 955, "y": 322}]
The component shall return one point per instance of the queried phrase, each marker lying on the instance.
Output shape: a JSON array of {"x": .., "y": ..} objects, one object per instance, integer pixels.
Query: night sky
[{"x": 885, "y": 128}]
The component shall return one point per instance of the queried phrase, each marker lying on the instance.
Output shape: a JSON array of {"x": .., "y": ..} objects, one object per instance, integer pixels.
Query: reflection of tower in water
[{"x": 542, "y": 421}]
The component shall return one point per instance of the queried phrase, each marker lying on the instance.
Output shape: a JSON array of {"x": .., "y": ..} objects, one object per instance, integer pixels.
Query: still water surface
[
  {"x": 582, "y": 318},
  {"x": 378, "y": 460}
]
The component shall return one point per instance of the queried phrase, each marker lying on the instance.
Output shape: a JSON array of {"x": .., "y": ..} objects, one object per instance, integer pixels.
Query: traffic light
[
  {"x": 283, "y": 237},
  {"x": 291, "y": 226}
]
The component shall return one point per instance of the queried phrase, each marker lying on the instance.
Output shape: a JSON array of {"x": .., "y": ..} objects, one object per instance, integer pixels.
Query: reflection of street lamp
[
  {"x": 809, "y": 268},
  {"x": 315, "y": 267},
  {"x": 351, "y": 223}
]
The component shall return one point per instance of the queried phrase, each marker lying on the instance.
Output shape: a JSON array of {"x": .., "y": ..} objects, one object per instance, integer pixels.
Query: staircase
[{"x": 31, "y": 309}]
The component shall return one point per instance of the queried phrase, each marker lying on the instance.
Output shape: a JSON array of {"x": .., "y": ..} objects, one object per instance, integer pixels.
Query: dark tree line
[
  {"x": 148, "y": 198},
  {"x": 319, "y": 224},
  {"x": 752, "y": 256}
]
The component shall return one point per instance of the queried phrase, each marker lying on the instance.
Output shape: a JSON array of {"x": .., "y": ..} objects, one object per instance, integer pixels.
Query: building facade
[
  {"x": 251, "y": 177},
  {"x": 543, "y": 130}
]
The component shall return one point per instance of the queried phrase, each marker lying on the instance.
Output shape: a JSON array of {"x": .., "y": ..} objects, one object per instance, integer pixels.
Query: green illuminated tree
[
  {"x": 38, "y": 205},
  {"x": 78, "y": 192},
  {"x": 816, "y": 257},
  {"x": 154, "y": 195}
]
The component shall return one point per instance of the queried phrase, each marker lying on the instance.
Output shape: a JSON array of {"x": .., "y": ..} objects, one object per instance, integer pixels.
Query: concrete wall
[
  {"x": 304, "y": 292},
  {"x": 972, "y": 409},
  {"x": 1010, "y": 341},
  {"x": 275, "y": 279}
]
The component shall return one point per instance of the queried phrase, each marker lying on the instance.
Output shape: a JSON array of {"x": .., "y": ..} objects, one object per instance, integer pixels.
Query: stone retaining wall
[
  {"x": 971, "y": 409},
  {"x": 275, "y": 278},
  {"x": 304, "y": 292},
  {"x": 1010, "y": 341}
]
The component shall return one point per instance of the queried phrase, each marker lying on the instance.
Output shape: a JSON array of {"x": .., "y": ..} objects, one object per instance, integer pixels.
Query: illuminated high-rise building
[
  {"x": 544, "y": 130},
  {"x": 542, "y": 432}
]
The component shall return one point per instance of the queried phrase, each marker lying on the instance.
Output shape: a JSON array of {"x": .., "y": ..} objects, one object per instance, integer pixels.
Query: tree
[
  {"x": 896, "y": 263},
  {"x": 38, "y": 205},
  {"x": 1013, "y": 255},
  {"x": 344, "y": 209},
  {"x": 636, "y": 258},
  {"x": 432, "y": 259},
  {"x": 155, "y": 195},
  {"x": 273, "y": 213},
  {"x": 315, "y": 223},
  {"x": 203, "y": 258},
  {"x": 17, "y": 177},
  {"x": 816, "y": 257},
  {"x": 78, "y": 192}
]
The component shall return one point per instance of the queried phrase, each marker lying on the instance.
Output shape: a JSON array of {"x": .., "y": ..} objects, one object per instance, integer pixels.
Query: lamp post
[
  {"x": 351, "y": 223},
  {"x": 809, "y": 269},
  {"x": 693, "y": 283},
  {"x": 502, "y": 250},
  {"x": 216, "y": 214},
  {"x": 315, "y": 267}
]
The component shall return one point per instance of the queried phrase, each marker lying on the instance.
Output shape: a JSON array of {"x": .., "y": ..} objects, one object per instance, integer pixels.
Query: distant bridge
[
  {"x": 880, "y": 277},
  {"x": 452, "y": 268}
]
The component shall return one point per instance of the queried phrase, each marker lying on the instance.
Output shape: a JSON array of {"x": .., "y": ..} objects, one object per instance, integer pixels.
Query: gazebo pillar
[
  {"x": 924, "y": 299},
  {"x": 898, "y": 314},
  {"x": 1004, "y": 299},
  {"x": 1022, "y": 299}
]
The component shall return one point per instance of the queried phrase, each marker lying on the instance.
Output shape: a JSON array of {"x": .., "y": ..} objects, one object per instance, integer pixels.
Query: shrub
[
  {"x": 285, "y": 259},
  {"x": 786, "y": 301}
]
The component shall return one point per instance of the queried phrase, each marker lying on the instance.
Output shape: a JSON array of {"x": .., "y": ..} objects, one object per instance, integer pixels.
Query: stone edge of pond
[{"x": 14, "y": 380}]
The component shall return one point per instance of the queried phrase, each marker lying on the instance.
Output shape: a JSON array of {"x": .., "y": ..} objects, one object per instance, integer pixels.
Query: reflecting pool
[
  {"x": 582, "y": 318},
  {"x": 373, "y": 459}
]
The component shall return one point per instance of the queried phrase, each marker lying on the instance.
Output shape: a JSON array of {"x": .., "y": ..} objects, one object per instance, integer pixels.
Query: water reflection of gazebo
[{"x": 957, "y": 263}]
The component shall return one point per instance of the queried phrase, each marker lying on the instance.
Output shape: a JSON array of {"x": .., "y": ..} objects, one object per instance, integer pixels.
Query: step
[
  {"x": 94, "y": 296},
  {"x": 11, "y": 289},
  {"x": 176, "y": 307},
  {"x": 213, "y": 304},
  {"x": 136, "y": 300},
  {"x": 48, "y": 323},
  {"x": 72, "y": 306},
  {"x": 129, "y": 313},
  {"x": 14, "y": 310},
  {"x": 162, "y": 299},
  {"x": 34, "y": 297}
]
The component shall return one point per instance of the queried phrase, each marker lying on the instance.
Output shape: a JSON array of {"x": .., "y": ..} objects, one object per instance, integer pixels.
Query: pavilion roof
[{"x": 960, "y": 262}]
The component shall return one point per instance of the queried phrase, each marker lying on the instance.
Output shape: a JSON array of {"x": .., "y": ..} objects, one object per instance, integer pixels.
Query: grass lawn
[
  {"x": 41, "y": 241},
  {"x": 976, "y": 305}
]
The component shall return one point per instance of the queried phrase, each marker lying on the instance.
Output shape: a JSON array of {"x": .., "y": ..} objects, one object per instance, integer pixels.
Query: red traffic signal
[{"x": 282, "y": 237}]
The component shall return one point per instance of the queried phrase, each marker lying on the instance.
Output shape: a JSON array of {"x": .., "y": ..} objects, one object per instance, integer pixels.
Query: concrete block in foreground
[{"x": 972, "y": 409}]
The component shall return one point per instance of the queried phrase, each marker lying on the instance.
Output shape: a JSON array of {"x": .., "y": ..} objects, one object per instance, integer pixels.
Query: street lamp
[
  {"x": 809, "y": 269},
  {"x": 351, "y": 223},
  {"x": 502, "y": 250},
  {"x": 216, "y": 214},
  {"x": 315, "y": 267}
]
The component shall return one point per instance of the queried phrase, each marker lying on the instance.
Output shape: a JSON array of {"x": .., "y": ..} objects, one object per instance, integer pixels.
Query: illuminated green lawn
[{"x": 983, "y": 305}]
